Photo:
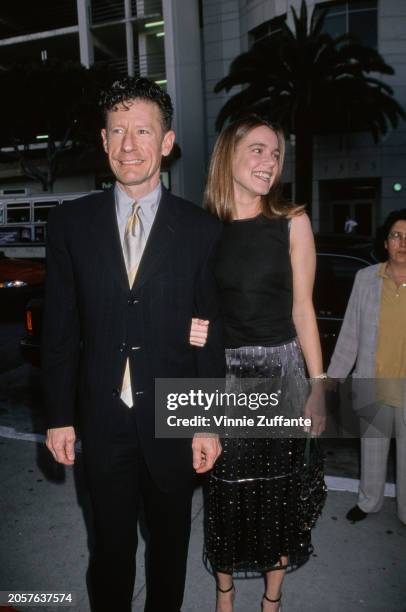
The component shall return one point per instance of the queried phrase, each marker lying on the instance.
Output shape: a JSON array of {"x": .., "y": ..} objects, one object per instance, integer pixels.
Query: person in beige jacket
[{"x": 372, "y": 340}]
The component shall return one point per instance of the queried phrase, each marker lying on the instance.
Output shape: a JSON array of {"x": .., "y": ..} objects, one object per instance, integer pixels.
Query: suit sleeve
[
  {"x": 60, "y": 332},
  {"x": 210, "y": 358},
  {"x": 346, "y": 349}
]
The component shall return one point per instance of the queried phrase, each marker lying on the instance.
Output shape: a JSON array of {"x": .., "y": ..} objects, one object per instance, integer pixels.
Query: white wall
[{"x": 185, "y": 86}]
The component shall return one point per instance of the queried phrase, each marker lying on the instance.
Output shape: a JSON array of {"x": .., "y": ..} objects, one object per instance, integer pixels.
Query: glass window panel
[
  {"x": 40, "y": 233},
  {"x": 18, "y": 213},
  {"x": 356, "y": 5},
  {"x": 25, "y": 234},
  {"x": 266, "y": 29},
  {"x": 345, "y": 268},
  {"x": 364, "y": 25},
  {"x": 334, "y": 280},
  {"x": 333, "y": 8},
  {"x": 1, "y": 214},
  {"x": 335, "y": 25},
  {"x": 41, "y": 211},
  {"x": 41, "y": 215}
]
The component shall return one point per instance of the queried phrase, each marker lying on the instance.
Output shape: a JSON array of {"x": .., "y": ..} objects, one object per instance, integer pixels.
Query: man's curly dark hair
[{"x": 129, "y": 89}]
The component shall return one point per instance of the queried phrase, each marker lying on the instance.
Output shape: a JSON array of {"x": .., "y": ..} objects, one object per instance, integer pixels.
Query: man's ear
[
  {"x": 168, "y": 142},
  {"x": 104, "y": 140}
]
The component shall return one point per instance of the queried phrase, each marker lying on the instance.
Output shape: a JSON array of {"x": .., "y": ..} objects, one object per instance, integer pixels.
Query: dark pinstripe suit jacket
[{"x": 92, "y": 319}]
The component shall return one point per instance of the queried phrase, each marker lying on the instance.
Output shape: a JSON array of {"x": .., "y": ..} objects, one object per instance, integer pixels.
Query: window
[
  {"x": 18, "y": 213},
  {"x": 267, "y": 29},
  {"x": 357, "y": 17},
  {"x": 42, "y": 209}
]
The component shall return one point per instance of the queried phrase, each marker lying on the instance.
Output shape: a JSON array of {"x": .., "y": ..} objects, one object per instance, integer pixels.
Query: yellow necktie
[{"x": 133, "y": 247}]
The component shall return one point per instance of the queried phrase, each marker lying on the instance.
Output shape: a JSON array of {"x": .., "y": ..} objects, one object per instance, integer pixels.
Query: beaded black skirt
[{"x": 251, "y": 498}]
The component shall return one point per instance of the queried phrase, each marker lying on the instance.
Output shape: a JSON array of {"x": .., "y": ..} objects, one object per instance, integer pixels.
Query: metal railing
[
  {"x": 151, "y": 65},
  {"x": 147, "y": 8},
  {"x": 103, "y": 11}
]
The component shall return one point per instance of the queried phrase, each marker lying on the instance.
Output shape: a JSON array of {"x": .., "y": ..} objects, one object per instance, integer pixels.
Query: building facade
[
  {"x": 187, "y": 47},
  {"x": 352, "y": 176}
]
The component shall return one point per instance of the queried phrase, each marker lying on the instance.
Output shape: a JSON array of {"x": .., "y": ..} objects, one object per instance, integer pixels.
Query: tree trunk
[{"x": 304, "y": 161}]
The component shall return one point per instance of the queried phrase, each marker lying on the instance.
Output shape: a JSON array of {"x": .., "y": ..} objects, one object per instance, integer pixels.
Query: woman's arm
[{"x": 303, "y": 259}]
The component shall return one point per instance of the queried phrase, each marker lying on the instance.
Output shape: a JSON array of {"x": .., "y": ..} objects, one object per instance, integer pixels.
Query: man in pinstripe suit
[{"x": 104, "y": 329}]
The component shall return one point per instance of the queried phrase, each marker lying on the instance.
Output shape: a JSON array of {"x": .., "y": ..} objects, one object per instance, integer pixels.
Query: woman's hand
[
  {"x": 315, "y": 408},
  {"x": 198, "y": 332}
]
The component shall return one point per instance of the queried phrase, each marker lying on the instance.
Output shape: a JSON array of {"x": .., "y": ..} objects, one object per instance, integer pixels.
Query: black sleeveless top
[{"x": 254, "y": 277}]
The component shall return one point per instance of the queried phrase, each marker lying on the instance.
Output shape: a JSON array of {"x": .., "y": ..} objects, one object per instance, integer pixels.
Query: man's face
[{"x": 135, "y": 142}]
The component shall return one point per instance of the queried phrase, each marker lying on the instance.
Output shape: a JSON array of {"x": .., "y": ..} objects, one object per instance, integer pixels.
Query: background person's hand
[
  {"x": 198, "y": 332},
  {"x": 61, "y": 443},
  {"x": 206, "y": 451}
]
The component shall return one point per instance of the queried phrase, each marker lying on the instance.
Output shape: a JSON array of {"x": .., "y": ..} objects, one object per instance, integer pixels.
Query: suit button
[
  {"x": 132, "y": 301},
  {"x": 123, "y": 346},
  {"x": 115, "y": 393}
]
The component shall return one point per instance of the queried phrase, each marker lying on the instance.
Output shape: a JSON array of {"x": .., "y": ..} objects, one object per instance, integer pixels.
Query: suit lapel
[
  {"x": 106, "y": 238},
  {"x": 160, "y": 240}
]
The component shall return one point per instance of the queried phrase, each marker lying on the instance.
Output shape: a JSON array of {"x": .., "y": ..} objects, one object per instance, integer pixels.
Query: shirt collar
[
  {"x": 382, "y": 270},
  {"x": 148, "y": 204}
]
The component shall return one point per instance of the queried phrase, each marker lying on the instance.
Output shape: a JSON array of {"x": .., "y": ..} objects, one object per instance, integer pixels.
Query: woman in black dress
[{"x": 265, "y": 268}]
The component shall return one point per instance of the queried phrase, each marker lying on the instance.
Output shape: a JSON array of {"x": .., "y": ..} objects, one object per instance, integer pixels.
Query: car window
[{"x": 343, "y": 268}]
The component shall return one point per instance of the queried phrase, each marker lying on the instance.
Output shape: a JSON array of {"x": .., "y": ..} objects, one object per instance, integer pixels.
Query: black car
[
  {"x": 338, "y": 260},
  {"x": 30, "y": 344}
]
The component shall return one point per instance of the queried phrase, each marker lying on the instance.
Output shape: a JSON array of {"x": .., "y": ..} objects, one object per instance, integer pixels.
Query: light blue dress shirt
[{"x": 148, "y": 208}]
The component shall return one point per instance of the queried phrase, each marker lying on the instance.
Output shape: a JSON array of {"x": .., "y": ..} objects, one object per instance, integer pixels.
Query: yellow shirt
[{"x": 390, "y": 361}]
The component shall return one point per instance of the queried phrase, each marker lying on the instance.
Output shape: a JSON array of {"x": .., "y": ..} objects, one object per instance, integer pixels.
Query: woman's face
[
  {"x": 255, "y": 164},
  {"x": 396, "y": 243}
]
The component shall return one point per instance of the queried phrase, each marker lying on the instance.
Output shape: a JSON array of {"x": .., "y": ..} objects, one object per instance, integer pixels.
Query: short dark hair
[
  {"x": 129, "y": 89},
  {"x": 391, "y": 219},
  {"x": 383, "y": 232}
]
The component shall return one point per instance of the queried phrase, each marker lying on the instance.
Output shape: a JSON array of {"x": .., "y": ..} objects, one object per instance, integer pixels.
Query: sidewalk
[{"x": 43, "y": 546}]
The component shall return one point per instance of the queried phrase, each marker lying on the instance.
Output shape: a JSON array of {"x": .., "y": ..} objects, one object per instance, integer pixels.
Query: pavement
[{"x": 44, "y": 544}]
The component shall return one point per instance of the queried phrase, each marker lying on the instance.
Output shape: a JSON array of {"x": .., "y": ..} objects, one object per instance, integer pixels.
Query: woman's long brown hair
[{"x": 219, "y": 194}]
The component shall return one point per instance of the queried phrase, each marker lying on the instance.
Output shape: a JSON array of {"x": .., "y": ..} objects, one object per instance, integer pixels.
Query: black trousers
[{"x": 117, "y": 481}]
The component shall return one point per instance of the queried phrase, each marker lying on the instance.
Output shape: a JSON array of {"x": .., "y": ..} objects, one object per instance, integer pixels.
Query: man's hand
[
  {"x": 206, "y": 450},
  {"x": 61, "y": 442}
]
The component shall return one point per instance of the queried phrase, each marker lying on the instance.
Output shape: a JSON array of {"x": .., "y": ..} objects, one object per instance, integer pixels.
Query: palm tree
[{"x": 311, "y": 83}]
